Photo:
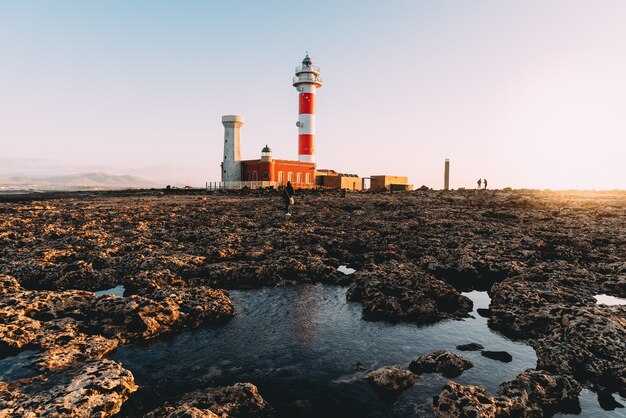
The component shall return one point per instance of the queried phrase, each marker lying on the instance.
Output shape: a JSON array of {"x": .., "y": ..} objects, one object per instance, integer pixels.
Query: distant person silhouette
[
  {"x": 485, "y": 181},
  {"x": 479, "y": 183},
  {"x": 288, "y": 193}
]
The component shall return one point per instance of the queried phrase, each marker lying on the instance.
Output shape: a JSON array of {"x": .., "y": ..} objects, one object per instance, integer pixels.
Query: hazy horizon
[{"x": 525, "y": 95}]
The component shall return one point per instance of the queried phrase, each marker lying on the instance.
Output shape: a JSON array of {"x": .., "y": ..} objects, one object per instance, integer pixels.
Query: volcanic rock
[
  {"x": 95, "y": 389},
  {"x": 402, "y": 292},
  {"x": 470, "y": 347},
  {"x": 64, "y": 345},
  {"x": 237, "y": 401},
  {"x": 502, "y": 356},
  {"x": 542, "y": 255},
  {"x": 531, "y": 394},
  {"x": 570, "y": 334},
  {"x": 391, "y": 379},
  {"x": 541, "y": 391},
  {"x": 524, "y": 309},
  {"x": 588, "y": 343},
  {"x": 457, "y": 400},
  {"x": 442, "y": 361},
  {"x": 161, "y": 311},
  {"x": 8, "y": 284},
  {"x": 16, "y": 332}
]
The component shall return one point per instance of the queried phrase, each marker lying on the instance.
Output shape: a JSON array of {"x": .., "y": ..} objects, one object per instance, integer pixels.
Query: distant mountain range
[{"x": 84, "y": 180}]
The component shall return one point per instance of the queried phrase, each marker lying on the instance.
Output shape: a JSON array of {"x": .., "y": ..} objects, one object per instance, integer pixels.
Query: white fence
[{"x": 237, "y": 185}]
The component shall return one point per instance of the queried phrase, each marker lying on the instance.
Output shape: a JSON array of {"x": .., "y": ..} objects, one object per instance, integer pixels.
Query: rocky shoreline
[{"x": 541, "y": 255}]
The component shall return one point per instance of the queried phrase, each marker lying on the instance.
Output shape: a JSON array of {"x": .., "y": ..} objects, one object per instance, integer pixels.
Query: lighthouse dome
[
  {"x": 266, "y": 154},
  {"x": 307, "y": 61}
]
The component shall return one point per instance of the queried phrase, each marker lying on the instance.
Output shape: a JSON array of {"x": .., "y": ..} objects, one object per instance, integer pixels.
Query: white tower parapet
[
  {"x": 231, "y": 166},
  {"x": 307, "y": 80}
]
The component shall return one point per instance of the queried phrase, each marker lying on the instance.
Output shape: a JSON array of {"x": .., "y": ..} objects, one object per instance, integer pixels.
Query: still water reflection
[{"x": 299, "y": 345}]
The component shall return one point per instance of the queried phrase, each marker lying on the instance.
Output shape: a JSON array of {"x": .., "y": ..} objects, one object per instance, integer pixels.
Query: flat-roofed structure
[{"x": 391, "y": 183}]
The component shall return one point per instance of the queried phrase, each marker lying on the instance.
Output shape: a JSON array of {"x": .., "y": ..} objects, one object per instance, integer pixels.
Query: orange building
[{"x": 300, "y": 174}]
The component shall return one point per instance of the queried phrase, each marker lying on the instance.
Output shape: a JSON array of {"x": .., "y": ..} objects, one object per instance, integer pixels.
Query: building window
[
  {"x": 281, "y": 177},
  {"x": 299, "y": 177},
  {"x": 255, "y": 176},
  {"x": 266, "y": 175},
  {"x": 308, "y": 178},
  {"x": 290, "y": 176}
]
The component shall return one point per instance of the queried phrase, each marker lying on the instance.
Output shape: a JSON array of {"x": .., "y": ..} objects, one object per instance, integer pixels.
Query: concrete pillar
[
  {"x": 446, "y": 176},
  {"x": 231, "y": 167}
]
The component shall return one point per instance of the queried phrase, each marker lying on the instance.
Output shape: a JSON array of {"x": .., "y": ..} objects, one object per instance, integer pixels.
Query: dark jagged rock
[
  {"x": 502, "y": 356},
  {"x": 470, "y": 347},
  {"x": 570, "y": 334},
  {"x": 531, "y": 394},
  {"x": 64, "y": 345},
  {"x": 17, "y": 332},
  {"x": 241, "y": 400},
  {"x": 442, "y": 361},
  {"x": 542, "y": 391},
  {"x": 525, "y": 308},
  {"x": 457, "y": 400},
  {"x": 391, "y": 379},
  {"x": 160, "y": 311},
  {"x": 95, "y": 389},
  {"x": 401, "y": 292},
  {"x": 542, "y": 255},
  {"x": 607, "y": 401},
  {"x": 8, "y": 284},
  {"x": 46, "y": 319},
  {"x": 46, "y": 305},
  {"x": 483, "y": 312},
  {"x": 72, "y": 328},
  {"x": 587, "y": 343}
]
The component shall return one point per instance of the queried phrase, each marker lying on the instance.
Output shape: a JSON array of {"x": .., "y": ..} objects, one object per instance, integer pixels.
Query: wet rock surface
[
  {"x": 96, "y": 389},
  {"x": 394, "y": 292},
  {"x": 470, "y": 347},
  {"x": 71, "y": 329},
  {"x": 157, "y": 312},
  {"x": 532, "y": 393},
  {"x": 542, "y": 391},
  {"x": 391, "y": 379},
  {"x": 441, "y": 361},
  {"x": 241, "y": 400},
  {"x": 541, "y": 255},
  {"x": 456, "y": 400},
  {"x": 570, "y": 334},
  {"x": 502, "y": 356}
]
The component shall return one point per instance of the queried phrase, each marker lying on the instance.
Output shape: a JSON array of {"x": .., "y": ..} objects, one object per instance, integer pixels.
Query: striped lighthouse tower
[{"x": 307, "y": 79}]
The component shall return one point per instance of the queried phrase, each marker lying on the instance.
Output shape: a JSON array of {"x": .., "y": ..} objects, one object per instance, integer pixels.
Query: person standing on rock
[
  {"x": 479, "y": 183},
  {"x": 288, "y": 193},
  {"x": 485, "y": 182}
]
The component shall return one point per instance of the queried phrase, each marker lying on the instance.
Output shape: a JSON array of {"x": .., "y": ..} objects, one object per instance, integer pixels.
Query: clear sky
[{"x": 525, "y": 94}]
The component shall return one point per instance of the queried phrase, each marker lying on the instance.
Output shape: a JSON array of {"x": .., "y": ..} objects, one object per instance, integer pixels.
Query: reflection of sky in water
[
  {"x": 117, "y": 291},
  {"x": 590, "y": 407},
  {"x": 13, "y": 368},
  {"x": 345, "y": 270},
  {"x": 609, "y": 300},
  {"x": 303, "y": 342}
]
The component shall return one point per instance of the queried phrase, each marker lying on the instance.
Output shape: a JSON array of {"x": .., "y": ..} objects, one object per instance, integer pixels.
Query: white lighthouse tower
[{"x": 306, "y": 81}]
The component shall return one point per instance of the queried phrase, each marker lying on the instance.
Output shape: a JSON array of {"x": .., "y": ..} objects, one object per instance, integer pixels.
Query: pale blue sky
[{"x": 526, "y": 94}]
